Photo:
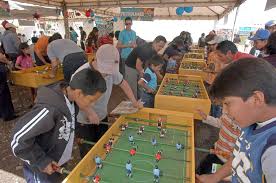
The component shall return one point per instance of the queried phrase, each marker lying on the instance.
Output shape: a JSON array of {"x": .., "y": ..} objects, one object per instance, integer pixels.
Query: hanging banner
[
  {"x": 4, "y": 8},
  {"x": 140, "y": 14},
  {"x": 105, "y": 25}
]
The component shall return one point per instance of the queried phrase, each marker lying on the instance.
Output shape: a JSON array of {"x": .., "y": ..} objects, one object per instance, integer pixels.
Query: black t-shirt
[
  {"x": 83, "y": 35},
  {"x": 143, "y": 52}
]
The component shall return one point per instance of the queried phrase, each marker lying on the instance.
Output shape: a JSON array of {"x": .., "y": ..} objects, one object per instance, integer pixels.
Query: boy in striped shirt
[{"x": 228, "y": 134}]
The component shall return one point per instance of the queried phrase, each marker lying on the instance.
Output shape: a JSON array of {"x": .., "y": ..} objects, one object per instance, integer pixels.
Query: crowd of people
[{"x": 242, "y": 81}]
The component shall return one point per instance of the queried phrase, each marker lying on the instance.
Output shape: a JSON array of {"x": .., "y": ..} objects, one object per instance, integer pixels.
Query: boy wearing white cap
[{"x": 107, "y": 63}]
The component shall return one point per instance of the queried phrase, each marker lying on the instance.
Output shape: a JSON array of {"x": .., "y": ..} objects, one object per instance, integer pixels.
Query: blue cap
[
  {"x": 270, "y": 23},
  {"x": 261, "y": 34}
]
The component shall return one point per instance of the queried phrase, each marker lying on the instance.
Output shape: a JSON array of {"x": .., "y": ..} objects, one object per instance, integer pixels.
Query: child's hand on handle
[
  {"x": 202, "y": 114},
  {"x": 51, "y": 168},
  {"x": 210, "y": 178}
]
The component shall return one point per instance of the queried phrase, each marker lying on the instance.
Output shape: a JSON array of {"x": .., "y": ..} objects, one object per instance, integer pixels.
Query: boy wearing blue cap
[{"x": 260, "y": 41}]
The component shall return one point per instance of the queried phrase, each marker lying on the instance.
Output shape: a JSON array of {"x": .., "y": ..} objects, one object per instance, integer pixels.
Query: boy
[
  {"x": 149, "y": 81},
  {"x": 228, "y": 134},
  {"x": 43, "y": 138},
  {"x": 247, "y": 89},
  {"x": 107, "y": 63}
]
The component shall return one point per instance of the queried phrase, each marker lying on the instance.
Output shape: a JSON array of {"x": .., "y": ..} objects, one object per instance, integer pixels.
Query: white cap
[
  {"x": 216, "y": 40},
  {"x": 107, "y": 59},
  {"x": 10, "y": 25}
]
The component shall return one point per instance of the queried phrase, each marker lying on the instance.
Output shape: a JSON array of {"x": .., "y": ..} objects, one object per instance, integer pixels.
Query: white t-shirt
[{"x": 100, "y": 107}]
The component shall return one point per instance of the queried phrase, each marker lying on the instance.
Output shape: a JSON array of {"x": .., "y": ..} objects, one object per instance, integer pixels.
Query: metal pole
[
  {"x": 65, "y": 19},
  {"x": 233, "y": 29}
]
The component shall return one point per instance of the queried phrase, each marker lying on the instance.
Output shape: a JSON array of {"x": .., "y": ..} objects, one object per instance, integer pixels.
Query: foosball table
[
  {"x": 185, "y": 93},
  {"x": 193, "y": 67},
  {"x": 35, "y": 77},
  {"x": 194, "y": 56},
  {"x": 195, "y": 50},
  {"x": 151, "y": 145}
]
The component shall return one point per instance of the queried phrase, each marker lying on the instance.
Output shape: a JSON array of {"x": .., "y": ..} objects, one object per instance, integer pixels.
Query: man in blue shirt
[{"x": 126, "y": 42}]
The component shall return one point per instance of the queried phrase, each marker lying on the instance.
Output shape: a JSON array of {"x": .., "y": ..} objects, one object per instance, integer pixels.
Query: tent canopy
[{"x": 163, "y": 9}]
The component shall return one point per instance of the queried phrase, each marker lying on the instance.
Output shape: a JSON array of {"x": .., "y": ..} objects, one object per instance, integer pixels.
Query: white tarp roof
[{"x": 163, "y": 9}]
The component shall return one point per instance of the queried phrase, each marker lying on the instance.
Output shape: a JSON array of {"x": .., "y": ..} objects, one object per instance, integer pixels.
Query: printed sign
[{"x": 142, "y": 14}]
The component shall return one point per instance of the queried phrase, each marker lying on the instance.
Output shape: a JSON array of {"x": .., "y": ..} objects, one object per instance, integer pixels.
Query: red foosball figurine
[
  {"x": 159, "y": 124},
  {"x": 107, "y": 148},
  {"x": 158, "y": 156},
  {"x": 97, "y": 179},
  {"x": 132, "y": 152}
]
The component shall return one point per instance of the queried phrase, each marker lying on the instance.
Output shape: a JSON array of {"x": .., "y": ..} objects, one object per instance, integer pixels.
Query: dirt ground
[{"x": 11, "y": 167}]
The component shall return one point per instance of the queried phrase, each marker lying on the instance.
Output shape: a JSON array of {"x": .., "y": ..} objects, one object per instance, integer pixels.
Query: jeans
[
  {"x": 122, "y": 67},
  {"x": 148, "y": 99}
]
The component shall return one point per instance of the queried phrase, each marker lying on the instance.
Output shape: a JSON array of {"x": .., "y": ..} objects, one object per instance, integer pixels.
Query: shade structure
[{"x": 163, "y": 9}]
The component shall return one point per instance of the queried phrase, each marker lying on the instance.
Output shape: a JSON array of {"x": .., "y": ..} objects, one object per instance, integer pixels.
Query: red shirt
[
  {"x": 240, "y": 55},
  {"x": 105, "y": 40}
]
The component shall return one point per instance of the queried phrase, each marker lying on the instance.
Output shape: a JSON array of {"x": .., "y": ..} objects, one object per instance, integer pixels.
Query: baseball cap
[
  {"x": 10, "y": 25},
  {"x": 107, "y": 59},
  {"x": 216, "y": 40},
  {"x": 270, "y": 23},
  {"x": 89, "y": 81},
  {"x": 261, "y": 34}
]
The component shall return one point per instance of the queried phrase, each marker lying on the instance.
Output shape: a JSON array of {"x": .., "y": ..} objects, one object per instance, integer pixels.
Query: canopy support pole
[
  {"x": 65, "y": 20},
  {"x": 233, "y": 29}
]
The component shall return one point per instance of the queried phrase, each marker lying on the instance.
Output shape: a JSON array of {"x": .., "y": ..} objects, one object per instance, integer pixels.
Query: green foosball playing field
[{"x": 172, "y": 164}]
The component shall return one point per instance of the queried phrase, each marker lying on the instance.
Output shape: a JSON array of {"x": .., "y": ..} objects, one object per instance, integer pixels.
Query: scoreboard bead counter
[
  {"x": 193, "y": 67},
  {"x": 184, "y": 93},
  {"x": 138, "y": 152},
  {"x": 35, "y": 77}
]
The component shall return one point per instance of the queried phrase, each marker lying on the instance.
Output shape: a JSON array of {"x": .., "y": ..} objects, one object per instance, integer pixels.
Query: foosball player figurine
[
  {"x": 98, "y": 162},
  {"x": 141, "y": 130},
  {"x": 162, "y": 133},
  {"x": 96, "y": 179},
  {"x": 158, "y": 156},
  {"x": 156, "y": 174},
  {"x": 107, "y": 148},
  {"x": 179, "y": 146},
  {"x": 132, "y": 152},
  {"x": 131, "y": 139},
  {"x": 124, "y": 127},
  {"x": 159, "y": 124},
  {"x": 153, "y": 141},
  {"x": 110, "y": 141},
  {"x": 129, "y": 168}
]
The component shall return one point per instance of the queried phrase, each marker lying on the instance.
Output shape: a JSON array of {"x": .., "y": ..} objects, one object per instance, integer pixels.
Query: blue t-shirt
[
  {"x": 74, "y": 36},
  {"x": 150, "y": 78},
  {"x": 129, "y": 166},
  {"x": 127, "y": 37}
]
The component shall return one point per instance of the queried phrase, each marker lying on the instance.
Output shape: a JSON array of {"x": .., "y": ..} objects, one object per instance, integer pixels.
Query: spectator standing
[{"x": 126, "y": 42}]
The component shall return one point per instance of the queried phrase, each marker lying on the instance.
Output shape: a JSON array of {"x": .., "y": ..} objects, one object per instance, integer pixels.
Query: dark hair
[
  {"x": 34, "y": 40},
  {"x": 111, "y": 34},
  {"x": 80, "y": 27},
  {"x": 159, "y": 39},
  {"x": 89, "y": 81},
  {"x": 155, "y": 60},
  {"x": 117, "y": 33},
  {"x": 245, "y": 76},
  {"x": 271, "y": 44},
  {"x": 54, "y": 37},
  {"x": 71, "y": 28},
  {"x": 128, "y": 19},
  {"x": 226, "y": 46},
  {"x": 92, "y": 36},
  {"x": 21, "y": 47},
  {"x": 95, "y": 29}
]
